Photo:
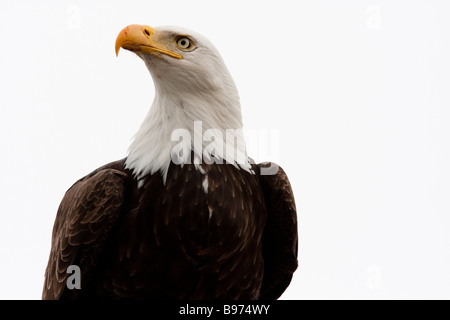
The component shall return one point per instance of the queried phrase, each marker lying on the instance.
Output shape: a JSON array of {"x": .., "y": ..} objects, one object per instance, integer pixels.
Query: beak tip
[{"x": 117, "y": 51}]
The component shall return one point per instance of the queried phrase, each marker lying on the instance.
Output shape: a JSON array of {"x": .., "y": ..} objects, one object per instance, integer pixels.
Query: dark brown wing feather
[
  {"x": 85, "y": 217},
  {"x": 280, "y": 239}
]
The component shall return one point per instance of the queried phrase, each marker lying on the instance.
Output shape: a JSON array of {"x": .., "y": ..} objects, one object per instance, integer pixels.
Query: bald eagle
[{"x": 187, "y": 214}]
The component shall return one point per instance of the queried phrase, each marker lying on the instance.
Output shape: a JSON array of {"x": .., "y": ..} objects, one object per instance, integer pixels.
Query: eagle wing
[
  {"x": 87, "y": 213},
  {"x": 280, "y": 238}
]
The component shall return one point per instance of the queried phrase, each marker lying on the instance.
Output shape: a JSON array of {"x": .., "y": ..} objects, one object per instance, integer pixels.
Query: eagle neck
[{"x": 182, "y": 119}]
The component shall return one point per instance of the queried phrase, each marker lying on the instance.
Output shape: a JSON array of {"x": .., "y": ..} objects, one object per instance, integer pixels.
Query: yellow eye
[{"x": 184, "y": 43}]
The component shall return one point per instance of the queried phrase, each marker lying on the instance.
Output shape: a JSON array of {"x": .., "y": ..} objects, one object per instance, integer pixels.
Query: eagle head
[
  {"x": 180, "y": 61},
  {"x": 192, "y": 85}
]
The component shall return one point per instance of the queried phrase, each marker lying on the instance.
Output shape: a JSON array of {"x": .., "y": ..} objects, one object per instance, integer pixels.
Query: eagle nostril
[{"x": 147, "y": 32}]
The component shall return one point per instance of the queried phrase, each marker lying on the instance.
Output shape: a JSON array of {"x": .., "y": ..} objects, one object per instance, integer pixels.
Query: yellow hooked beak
[{"x": 138, "y": 38}]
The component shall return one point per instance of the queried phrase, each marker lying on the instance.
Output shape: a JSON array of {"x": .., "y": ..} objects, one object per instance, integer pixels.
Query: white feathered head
[{"x": 192, "y": 84}]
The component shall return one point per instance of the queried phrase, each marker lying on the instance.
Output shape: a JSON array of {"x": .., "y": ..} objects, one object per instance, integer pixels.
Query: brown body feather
[{"x": 238, "y": 240}]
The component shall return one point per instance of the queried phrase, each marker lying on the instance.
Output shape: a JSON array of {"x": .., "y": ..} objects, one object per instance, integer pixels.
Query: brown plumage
[
  {"x": 173, "y": 240},
  {"x": 147, "y": 228}
]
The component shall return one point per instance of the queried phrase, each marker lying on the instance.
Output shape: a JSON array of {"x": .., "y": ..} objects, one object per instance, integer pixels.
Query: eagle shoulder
[
  {"x": 86, "y": 215},
  {"x": 280, "y": 238}
]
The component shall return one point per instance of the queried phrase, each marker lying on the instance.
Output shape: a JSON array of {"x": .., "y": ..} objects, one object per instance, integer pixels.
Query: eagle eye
[{"x": 184, "y": 43}]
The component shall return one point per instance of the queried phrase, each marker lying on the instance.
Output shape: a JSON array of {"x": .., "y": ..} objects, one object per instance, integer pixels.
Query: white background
[{"x": 357, "y": 93}]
